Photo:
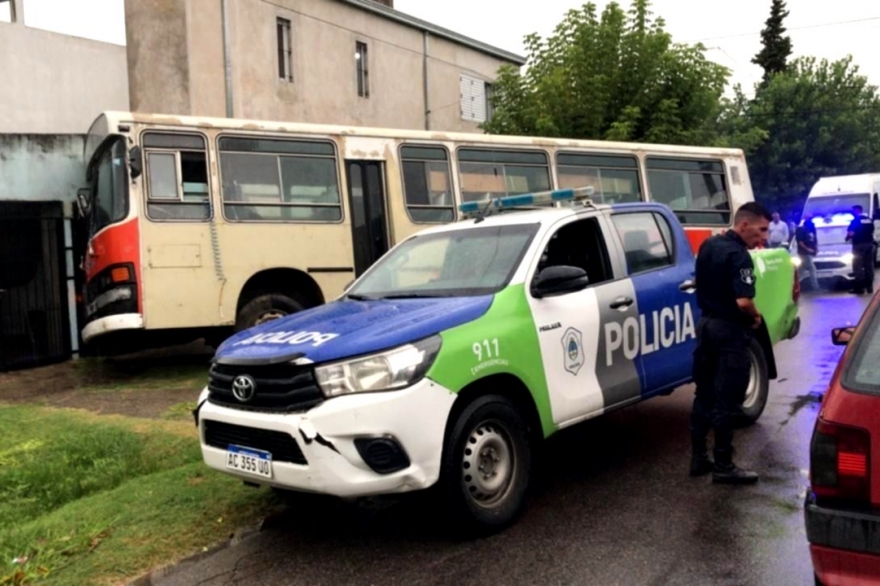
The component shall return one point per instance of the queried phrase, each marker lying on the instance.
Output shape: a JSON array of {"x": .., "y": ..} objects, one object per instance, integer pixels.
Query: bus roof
[{"x": 111, "y": 120}]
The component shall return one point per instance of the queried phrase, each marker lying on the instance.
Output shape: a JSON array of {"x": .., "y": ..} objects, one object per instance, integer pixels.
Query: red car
[{"x": 842, "y": 509}]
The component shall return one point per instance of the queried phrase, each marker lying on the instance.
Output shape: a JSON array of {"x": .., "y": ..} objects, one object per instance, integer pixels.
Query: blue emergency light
[{"x": 528, "y": 200}]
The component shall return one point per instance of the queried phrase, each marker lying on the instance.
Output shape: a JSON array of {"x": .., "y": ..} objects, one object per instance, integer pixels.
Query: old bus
[{"x": 198, "y": 227}]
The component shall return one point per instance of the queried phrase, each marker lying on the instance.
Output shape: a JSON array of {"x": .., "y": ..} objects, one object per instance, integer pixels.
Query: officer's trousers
[
  {"x": 863, "y": 266},
  {"x": 721, "y": 373}
]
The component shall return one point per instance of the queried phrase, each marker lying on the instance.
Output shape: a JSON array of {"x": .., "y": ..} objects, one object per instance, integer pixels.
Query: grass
[
  {"x": 90, "y": 499},
  {"x": 96, "y": 374}
]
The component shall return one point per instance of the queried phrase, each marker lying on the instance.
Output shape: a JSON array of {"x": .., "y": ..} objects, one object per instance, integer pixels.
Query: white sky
[{"x": 729, "y": 27}]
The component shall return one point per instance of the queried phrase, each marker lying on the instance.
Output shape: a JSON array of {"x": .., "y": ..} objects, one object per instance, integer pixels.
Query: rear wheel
[
  {"x": 759, "y": 386},
  {"x": 264, "y": 308},
  {"x": 487, "y": 464}
]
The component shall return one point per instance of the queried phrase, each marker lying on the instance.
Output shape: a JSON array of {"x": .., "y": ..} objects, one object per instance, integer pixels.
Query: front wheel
[
  {"x": 264, "y": 308},
  {"x": 487, "y": 464},
  {"x": 759, "y": 386}
]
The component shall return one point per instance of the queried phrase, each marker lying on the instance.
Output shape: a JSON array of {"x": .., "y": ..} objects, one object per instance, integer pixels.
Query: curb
[{"x": 242, "y": 533}]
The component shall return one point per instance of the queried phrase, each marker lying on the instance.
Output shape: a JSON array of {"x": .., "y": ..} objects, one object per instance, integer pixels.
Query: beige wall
[
  {"x": 177, "y": 73},
  {"x": 53, "y": 83}
]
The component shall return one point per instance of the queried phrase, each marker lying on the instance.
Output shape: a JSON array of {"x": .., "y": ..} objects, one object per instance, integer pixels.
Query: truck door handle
[
  {"x": 688, "y": 286},
  {"x": 621, "y": 303}
]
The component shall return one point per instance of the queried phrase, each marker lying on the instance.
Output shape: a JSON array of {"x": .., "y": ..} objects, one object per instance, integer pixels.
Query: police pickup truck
[{"x": 466, "y": 345}]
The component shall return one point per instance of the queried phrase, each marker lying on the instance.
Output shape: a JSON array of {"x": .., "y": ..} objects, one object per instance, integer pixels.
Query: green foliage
[
  {"x": 776, "y": 48},
  {"x": 617, "y": 76},
  {"x": 818, "y": 118}
]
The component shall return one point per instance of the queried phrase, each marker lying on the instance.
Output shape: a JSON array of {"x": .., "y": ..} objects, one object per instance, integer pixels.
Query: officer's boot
[
  {"x": 700, "y": 462},
  {"x": 726, "y": 472}
]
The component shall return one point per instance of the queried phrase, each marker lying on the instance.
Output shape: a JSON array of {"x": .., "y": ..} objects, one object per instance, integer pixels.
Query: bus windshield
[
  {"x": 827, "y": 206},
  {"x": 458, "y": 263},
  {"x": 108, "y": 182}
]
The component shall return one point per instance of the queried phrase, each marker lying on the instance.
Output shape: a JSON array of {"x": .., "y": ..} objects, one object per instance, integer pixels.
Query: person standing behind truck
[
  {"x": 861, "y": 234},
  {"x": 778, "y": 235},
  {"x": 807, "y": 249}
]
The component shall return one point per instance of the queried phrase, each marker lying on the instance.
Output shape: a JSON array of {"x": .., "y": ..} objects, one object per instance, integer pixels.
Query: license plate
[{"x": 249, "y": 461}]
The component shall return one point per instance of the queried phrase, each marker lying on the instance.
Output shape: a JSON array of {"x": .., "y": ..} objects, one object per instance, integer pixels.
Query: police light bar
[{"x": 528, "y": 199}]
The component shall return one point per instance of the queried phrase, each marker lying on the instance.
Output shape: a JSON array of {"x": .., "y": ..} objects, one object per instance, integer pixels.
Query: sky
[{"x": 730, "y": 29}]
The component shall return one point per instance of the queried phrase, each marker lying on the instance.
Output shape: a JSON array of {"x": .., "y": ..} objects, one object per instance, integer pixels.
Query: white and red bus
[{"x": 201, "y": 226}]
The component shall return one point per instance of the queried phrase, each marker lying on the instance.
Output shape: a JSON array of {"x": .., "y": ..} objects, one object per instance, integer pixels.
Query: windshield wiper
[{"x": 357, "y": 297}]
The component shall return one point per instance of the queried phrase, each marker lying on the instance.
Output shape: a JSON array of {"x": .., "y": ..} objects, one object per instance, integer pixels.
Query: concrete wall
[
  {"x": 41, "y": 167},
  {"x": 180, "y": 68},
  {"x": 52, "y": 83}
]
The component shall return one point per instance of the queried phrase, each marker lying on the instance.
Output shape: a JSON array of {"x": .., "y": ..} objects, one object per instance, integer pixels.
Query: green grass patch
[{"x": 87, "y": 499}]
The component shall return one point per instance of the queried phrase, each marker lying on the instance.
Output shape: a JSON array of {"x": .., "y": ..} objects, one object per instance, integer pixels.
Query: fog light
[{"x": 383, "y": 454}]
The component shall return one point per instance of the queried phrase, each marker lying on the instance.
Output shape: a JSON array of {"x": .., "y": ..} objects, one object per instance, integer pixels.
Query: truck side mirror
[
  {"x": 842, "y": 336},
  {"x": 559, "y": 281}
]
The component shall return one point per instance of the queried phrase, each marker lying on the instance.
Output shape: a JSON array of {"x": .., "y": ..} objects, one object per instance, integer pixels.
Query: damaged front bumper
[{"x": 349, "y": 446}]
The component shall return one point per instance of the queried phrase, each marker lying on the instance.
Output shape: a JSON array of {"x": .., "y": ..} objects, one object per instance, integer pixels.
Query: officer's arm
[{"x": 743, "y": 280}]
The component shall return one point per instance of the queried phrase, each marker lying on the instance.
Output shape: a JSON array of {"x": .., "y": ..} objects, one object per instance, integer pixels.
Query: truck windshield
[
  {"x": 827, "y": 206},
  {"x": 108, "y": 181},
  {"x": 474, "y": 261}
]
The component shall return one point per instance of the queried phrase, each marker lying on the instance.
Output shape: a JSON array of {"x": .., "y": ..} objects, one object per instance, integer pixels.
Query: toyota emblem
[{"x": 243, "y": 387}]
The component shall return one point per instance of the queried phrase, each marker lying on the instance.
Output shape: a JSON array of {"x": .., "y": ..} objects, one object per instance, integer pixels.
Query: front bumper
[
  {"x": 112, "y": 323},
  {"x": 414, "y": 417},
  {"x": 844, "y": 544}
]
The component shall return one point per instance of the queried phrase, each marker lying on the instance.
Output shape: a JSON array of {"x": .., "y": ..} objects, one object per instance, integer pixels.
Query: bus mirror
[
  {"x": 84, "y": 200},
  {"x": 134, "y": 160}
]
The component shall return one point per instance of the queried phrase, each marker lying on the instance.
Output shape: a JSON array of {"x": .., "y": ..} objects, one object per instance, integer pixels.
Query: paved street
[{"x": 614, "y": 506}]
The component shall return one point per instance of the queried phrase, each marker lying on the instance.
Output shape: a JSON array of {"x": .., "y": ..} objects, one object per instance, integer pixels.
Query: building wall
[
  {"x": 41, "y": 167},
  {"x": 324, "y": 86},
  {"x": 53, "y": 83}
]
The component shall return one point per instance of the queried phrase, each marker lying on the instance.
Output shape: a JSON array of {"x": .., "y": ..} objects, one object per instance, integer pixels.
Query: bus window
[
  {"x": 695, "y": 190},
  {"x": 279, "y": 180},
  {"x": 427, "y": 185},
  {"x": 488, "y": 174},
  {"x": 615, "y": 178},
  {"x": 177, "y": 176}
]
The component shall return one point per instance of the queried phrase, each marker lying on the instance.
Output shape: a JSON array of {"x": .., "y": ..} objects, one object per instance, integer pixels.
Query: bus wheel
[
  {"x": 759, "y": 386},
  {"x": 264, "y": 308},
  {"x": 487, "y": 465}
]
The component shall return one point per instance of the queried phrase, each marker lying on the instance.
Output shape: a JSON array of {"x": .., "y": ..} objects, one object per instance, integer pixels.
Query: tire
[
  {"x": 490, "y": 427},
  {"x": 759, "y": 386},
  {"x": 263, "y": 308}
]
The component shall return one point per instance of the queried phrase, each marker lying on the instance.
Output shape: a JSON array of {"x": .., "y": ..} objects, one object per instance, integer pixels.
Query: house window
[
  {"x": 476, "y": 99},
  {"x": 7, "y": 11},
  {"x": 363, "y": 70},
  {"x": 285, "y": 61}
]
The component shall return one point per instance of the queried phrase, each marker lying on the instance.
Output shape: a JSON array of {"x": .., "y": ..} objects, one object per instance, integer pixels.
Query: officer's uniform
[
  {"x": 862, "y": 228},
  {"x": 724, "y": 273}
]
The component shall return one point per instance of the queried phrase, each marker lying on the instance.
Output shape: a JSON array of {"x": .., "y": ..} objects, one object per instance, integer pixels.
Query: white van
[{"x": 830, "y": 204}]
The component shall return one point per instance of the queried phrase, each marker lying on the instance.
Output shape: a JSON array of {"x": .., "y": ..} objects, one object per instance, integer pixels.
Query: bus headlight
[{"x": 386, "y": 371}]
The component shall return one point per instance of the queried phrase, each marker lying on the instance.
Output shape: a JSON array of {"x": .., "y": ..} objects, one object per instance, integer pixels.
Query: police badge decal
[
  {"x": 573, "y": 350},
  {"x": 747, "y": 277}
]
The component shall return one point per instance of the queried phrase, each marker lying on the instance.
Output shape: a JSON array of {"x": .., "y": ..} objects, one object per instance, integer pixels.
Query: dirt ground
[{"x": 156, "y": 384}]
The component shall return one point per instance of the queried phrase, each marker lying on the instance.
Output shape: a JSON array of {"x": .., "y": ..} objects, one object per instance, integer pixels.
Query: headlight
[
  {"x": 386, "y": 371},
  {"x": 848, "y": 258},
  {"x": 796, "y": 261}
]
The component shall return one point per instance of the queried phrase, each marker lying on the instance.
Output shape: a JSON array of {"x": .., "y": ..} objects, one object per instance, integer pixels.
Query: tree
[
  {"x": 617, "y": 76},
  {"x": 773, "y": 57},
  {"x": 816, "y": 119}
]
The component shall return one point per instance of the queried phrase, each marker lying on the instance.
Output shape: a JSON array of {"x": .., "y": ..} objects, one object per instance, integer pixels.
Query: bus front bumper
[{"x": 112, "y": 323}]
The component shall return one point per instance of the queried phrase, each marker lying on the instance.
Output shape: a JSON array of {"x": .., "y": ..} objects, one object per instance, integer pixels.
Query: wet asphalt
[{"x": 613, "y": 504}]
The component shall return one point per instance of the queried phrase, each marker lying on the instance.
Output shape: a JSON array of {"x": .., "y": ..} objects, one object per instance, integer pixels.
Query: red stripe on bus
[
  {"x": 116, "y": 244},
  {"x": 696, "y": 236}
]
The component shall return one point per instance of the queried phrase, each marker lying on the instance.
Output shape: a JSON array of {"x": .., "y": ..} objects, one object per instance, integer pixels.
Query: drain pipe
[
  {"x": 230, "y": 110},
  {"x": 425, "y": 79}
]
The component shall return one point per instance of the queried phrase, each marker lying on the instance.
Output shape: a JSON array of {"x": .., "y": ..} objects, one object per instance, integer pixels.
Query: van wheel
[
  {"x": 487, "y": 463},
  {"x": 264, "y": 308},
  {"x": 759, "y": 386}
]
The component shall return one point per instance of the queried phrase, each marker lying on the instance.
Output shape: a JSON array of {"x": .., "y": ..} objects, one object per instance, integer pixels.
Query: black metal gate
[{"x": 34, "y": 323}]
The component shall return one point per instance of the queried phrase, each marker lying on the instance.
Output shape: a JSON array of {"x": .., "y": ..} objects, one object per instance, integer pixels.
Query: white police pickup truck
[{"x": 460, "y": 350}]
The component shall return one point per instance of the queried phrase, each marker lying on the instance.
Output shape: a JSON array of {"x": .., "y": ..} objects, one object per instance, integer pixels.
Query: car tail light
[{"x": 840, "y": 462}]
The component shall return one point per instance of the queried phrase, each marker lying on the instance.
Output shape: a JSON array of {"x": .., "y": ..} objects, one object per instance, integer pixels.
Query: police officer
[
  {"x": 861, "y": 233},
  {"x": 725, "y": 295}
]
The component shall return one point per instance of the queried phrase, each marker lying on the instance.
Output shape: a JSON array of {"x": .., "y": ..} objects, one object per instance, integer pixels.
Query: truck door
[
  {"x": 583, "y": 377},
  {"x": 662, "y": 272}
]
